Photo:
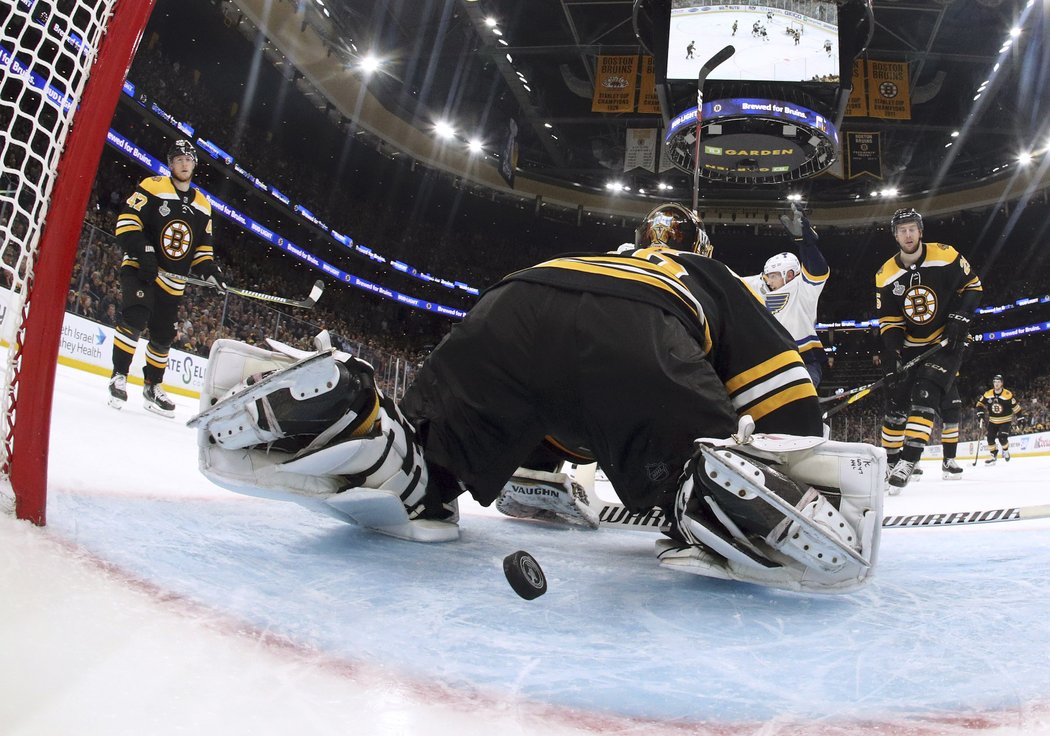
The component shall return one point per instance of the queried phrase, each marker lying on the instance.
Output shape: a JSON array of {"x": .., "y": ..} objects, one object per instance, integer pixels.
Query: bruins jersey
[
  {"x": 1001, "y": 408},
  {"x": 761, "y": 369},
  {"x": 177, "y": 224},
  {"x": 913, "y": 302}
]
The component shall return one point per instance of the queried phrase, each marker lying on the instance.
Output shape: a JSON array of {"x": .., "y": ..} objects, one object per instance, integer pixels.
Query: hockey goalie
[{"x": 657, "y": 363}]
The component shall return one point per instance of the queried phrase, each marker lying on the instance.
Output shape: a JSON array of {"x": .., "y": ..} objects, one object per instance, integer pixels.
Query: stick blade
[
  {"x": 715, "y": 61},
  {"x": 315, "y": 293}
]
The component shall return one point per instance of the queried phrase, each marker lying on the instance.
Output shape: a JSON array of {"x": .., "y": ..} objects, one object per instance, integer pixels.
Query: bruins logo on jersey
[
  {"x": 920, "y": 304},
  {"x": 176, "y": 239}
]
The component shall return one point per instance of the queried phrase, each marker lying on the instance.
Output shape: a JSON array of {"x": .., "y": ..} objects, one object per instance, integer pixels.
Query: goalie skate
[
  {"x": 738, "y": 472},
  {"x": 303, "y": 379}
]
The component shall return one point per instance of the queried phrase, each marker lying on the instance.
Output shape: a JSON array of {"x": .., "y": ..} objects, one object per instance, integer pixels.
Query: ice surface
[{"x": 156, "y": 603}]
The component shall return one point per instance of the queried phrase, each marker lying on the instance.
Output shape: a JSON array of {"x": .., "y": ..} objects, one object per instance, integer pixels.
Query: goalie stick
[
  {"x": 707, "y": 68},
  {"x": 858, "y": 393},
  {"x": 308, "y": 303},
  {"x": 617, "y": 515}
]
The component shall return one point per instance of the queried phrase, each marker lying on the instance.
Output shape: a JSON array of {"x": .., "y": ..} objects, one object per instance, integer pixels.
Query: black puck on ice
[{"x": 524, "y": 575}]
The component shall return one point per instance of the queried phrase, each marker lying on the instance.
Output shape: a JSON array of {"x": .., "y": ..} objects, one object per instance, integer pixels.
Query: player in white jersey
[{"x": 791, "y": 288}]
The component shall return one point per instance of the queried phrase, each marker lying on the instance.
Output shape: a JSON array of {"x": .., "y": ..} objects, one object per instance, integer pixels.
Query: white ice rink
[{"x": 155, "y": 603}]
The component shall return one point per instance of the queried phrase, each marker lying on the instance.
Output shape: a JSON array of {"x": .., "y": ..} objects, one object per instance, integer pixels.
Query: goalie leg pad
[
  {"x": 535, "y": 494},
  {"x": 727, "y": 534},
  {"x": 387, "y": 481}
]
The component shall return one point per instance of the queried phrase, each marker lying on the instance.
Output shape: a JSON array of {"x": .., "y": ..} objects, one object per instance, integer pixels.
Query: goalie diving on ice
[{"x": 657, "y": 363}]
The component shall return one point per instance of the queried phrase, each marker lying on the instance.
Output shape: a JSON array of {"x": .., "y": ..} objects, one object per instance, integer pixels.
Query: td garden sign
[{"x": 754, "y": 141}]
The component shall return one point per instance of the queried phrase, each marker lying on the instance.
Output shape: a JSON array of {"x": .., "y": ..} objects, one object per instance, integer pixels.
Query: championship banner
[
  {"x": 509, "y": 156},
  {"x": 857, "y": 106},
  {"x": 615, "y": 84},
  {"x": 648, "y": 102},
  {"x": 888, "y": 93},
  {"x": 640, "y": 149},
  {"x": 864, "y": 154}
]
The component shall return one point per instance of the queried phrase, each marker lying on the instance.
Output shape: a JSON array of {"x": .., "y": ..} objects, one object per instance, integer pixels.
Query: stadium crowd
[{"x": 423, "y": 218}]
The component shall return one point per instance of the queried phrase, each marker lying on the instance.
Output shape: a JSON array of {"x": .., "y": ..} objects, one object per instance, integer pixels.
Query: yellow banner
[
  {"x": 888, "y": 93},
  {"x": 857, "y": 106},
  {"x": 615, "y": 84},
  {"x": 648, "y": 101}
]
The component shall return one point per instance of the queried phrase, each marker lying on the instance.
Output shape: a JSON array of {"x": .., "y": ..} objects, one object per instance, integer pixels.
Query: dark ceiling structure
[{"x": 979, "y": 78}]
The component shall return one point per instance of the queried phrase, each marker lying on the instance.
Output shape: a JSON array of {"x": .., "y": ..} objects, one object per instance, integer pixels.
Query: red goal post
[{"x": 62, "y": 67}]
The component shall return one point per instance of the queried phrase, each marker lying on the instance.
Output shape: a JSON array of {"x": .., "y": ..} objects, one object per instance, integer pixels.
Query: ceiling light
[
  {"x": 1015, "y": 32},
  {"x": 547, "y": 125},
  {"x": 527, "y": 87},
  {"x": 369, "y": 63},
  {"x": 497, "y": 31},
  {"x": 444, "y": 130},
  {"x": 977, "y": 96},
  {"x": 948, "y": 144},
  {"x": 320, "y": 2},
  {"x": 1024, "y": 158},
  {"x": 554, "y": 136},
  {"x": 474, "y": 145},
  {"x": 490, "y": 22},
  {"x": 795, "y": 197},
  {"x": 955, "y": 134},
  {"x": 502, "y": 41}
]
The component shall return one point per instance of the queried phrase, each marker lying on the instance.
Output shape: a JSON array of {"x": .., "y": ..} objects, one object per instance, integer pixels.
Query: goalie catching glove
[{"x": 798, "y": 513}]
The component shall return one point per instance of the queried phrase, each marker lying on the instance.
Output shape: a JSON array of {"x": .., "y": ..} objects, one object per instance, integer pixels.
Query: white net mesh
[{"x": 47, "y": 49}]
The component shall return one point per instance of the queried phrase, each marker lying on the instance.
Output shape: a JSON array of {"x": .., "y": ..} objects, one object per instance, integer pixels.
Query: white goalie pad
[
  {"x": 816, "y": 548},
  {"x": 535, "y": 494},
  {"x": 384, "y": 459}
]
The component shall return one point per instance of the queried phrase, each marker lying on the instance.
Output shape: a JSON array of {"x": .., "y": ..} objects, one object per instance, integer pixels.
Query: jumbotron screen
[{"x": 794, "y": 44}]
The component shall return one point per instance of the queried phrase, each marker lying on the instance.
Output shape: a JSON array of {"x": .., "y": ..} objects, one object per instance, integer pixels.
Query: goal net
[{"x": 62, "y": 65}]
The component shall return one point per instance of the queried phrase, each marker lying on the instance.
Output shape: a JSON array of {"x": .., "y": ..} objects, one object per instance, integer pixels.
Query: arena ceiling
[{"x": 978, "y": 92}]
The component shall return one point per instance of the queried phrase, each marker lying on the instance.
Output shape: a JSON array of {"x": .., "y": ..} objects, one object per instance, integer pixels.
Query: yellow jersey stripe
[{"x": 763, "y": 369}]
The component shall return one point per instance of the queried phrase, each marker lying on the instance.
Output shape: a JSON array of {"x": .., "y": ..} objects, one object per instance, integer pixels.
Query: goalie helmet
[
  {"x": 671, "y": 225},
  {"x": 904, "y": 216},
  {"x": 182, "y": 147},
  {"x": 782, "y": 263}
]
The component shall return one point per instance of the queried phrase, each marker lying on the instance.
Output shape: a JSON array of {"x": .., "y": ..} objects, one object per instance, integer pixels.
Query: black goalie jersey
[
  {"x": 913, "y": 302},
  {"x": 177, "y": 225},
  {"x": 760, "y": 367}
]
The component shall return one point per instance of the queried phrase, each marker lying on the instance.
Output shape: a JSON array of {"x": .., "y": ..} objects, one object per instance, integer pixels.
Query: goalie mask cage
[{"x": 62, "y": 67}]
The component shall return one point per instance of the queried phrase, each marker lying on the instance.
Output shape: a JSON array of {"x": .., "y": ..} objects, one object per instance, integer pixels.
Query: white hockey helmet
[{"x": 782, "y": 263}]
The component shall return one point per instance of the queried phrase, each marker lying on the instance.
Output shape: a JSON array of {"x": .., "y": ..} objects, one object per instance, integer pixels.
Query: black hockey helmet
[
  {"x": 671, "y": 225},
  {"x": 182, "y": 147},
  {"x": 997, "y": 377},
  {"x": 905, "y": 215}
]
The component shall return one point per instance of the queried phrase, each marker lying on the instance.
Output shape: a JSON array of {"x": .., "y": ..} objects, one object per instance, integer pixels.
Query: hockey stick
[
  {"x": 617, "y": 515},
  {"x": 308, "y": 303},
  {"x": 977, "y": 453},
  {"x": 706, "y": 69},
  {"x": 856, "y": 394}
]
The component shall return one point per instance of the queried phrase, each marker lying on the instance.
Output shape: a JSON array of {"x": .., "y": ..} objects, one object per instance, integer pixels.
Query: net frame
[{"x": 62, "y": 67}]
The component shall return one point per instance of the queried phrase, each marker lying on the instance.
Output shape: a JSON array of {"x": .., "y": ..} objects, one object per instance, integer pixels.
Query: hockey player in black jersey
[
  {"x": 997, "y": 409},
  {"x": 926, "y": 293},
  {"x": 657, "y": 362},
  {"x": 164, "y": 228}
]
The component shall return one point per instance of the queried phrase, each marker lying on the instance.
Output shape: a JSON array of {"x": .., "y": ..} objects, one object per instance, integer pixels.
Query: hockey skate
[
  {"x": 535, "y": 494},
  {"x": 1006, "y": 455},
  {"x": 991, "y": 460},
  {"x": 950, "y": 469},
  {"x": 899, "y": 476},
  {"x": 916, "y": 473},
  {"x": 156, "y": 400},
  {"x": 118, "y": 390}
]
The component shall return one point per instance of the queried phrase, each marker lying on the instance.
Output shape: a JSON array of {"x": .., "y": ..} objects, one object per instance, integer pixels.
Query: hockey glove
[
  {"x": 213, "y": 275},
  {"x": 894, "y": 369},
  {"x": 798, "y": 225},
  {"x": 956, "y": 330},
  {"x": 148, "y": 268}
]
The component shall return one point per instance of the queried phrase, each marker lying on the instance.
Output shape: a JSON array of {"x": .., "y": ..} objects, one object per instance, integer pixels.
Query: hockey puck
[{"x": 524, "y": 575}]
